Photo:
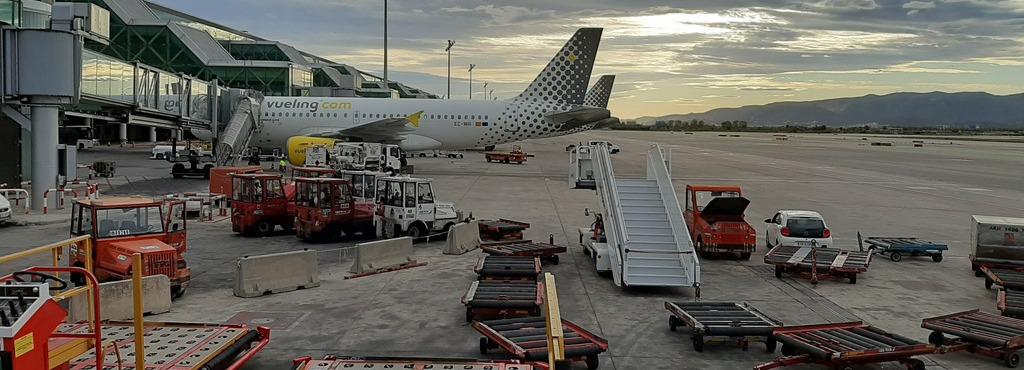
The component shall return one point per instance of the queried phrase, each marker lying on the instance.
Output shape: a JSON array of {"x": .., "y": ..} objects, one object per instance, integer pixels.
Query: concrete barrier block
[
  {"x": 382, "y": 255},
  {"x": 276, "y": 273},
  {"x": 463, "y": 237},
  {"x": 116, "y": 299}
]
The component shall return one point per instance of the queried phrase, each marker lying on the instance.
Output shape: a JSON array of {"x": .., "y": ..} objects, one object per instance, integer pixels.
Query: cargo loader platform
[
  {"x": 840, "y": 346},
  {"x": 738, "y": 322},
  {"x": 492, "y": 299},
  {"x": 818, "y": 263},
  {"x": 177, "y": 346},
  {"x": 411, "y": 363},
  {"x": 525, "y": 339},
  {"x": 508, "y": 268},
  {"x": 980, "y": 333}
]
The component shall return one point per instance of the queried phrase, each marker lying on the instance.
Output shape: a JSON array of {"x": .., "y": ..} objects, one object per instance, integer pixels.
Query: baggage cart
[
  {"x": 818, "y": 263},
  {"x": 739, "y": 322},
  {"x": 980, "y": 333},
  {"x": 843, "y": 345},
  {"x": 897, "y": 247}
]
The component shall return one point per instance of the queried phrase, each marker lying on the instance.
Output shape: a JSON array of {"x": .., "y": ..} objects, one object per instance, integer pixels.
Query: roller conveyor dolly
[
  {"x": 502, "y": 229},
  {"x": 1011, "y": 303},
  {"x": 1012, "y": 279},
  {"x": 525, "y": 339},
  {"x": 716, "y": 320},
  {"x": 493, "y": 299},
  {"x": 508, "y": 268},
  {"x": 978, "y": 332},
  {"x": 528, "y": 248},
  {"x": 381, "y": 363},
  {"x": 841, "y": 346},
  {"x": 818, "y": 263}
]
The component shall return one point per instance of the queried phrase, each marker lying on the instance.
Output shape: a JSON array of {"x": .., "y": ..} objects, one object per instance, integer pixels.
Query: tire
[
  {"x": 416, "y": 231},
  {"x": 554, "y": 260},
  {"x": 177, "y": 292},
  {"x": 673, "y": 323},
  {"x": 915, "y": 364},
  {"x": 206, "y": 171},
  {"x": 853, "y": 279},
  {"x": 895, "y": 256},
  {"x": 81, "y": 146},
  {"x": 778, "y": 271},
  {"x": 160, "y": 156},
  {"x": 988, "y": 284},
  {"x": 423, "y": 155},
  {"x": 178, "y": 170},
  {"x": 484, "y": 346},
  {"x": 469, "y": 318},
  {"x": 593, "y": 362},
  {"x": 937, "y": 257},
  {"x": 264, "y": 228},
  {"x": 770, "y": 344},
  {"x": 978, "y": 273},
  {"x": 1013, "y": 360},
  {"x": 698, "y": 343},
  {"x": 461, "y": 156},
  {"x": 937, "y": 338},
  {"x": 745, "y": 256}
]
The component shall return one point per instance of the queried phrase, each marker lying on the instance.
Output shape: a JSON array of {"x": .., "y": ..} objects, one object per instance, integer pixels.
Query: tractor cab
[
  {"x": 312, "y": 172},
  {"x": 406, "y": 207},
  {"x": 364, "y": 187},
  {"x": 325, "y": 209},
  {"x": 122, "y": 227},
  {"x": 260, "y": 202}
]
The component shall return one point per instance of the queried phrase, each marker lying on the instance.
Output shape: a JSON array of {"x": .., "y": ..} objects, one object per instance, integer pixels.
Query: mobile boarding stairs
[{"x": 645, "y": 241}]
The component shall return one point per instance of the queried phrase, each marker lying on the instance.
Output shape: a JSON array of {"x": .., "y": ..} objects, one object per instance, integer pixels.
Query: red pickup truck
[{"x": 714, "y": 216}]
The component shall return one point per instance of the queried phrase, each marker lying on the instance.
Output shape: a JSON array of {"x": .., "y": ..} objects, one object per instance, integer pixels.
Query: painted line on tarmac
[
  {"x": 976, "y": 189},
  {"x": 920, "y": 188}
]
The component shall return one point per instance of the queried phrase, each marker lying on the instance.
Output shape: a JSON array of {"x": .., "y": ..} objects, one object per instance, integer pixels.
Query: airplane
[
  {"x": 597, "y": 96},
  {"x": 552, "y": 105}
]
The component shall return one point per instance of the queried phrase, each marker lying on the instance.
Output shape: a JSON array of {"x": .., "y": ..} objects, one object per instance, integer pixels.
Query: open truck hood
[{"x": 733, "y": 206}]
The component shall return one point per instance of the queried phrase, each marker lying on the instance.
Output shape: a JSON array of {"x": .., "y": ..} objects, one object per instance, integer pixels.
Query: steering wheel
[{"x": 17, "y": 276}]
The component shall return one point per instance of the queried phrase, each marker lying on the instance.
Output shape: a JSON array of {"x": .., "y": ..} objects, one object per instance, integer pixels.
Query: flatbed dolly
[
  {"x": 410, "y": 363},
  {"x": 897, "y": 247},
  {"x": 494, "y": 299},
  {"x": 501, "y": 229},
  {"x": 1012, "y": 279},
  {"x": 196, "y": 346},
  {"x": 818, "y": 263},
  {"x": 525, "y": 339},
  {"x": 545, "y": 251},
  {"x": 978, "y": 332},
  {"x": 841, "y": 346},
  {"x": 508, "y": 268},
  {"x": 516, "y": 155},
  {"x": 739, "y": 322},
  {"x": 1011, "y": 303}
]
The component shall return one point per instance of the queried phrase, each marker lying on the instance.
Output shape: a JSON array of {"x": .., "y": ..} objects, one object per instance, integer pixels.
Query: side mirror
[{"x": 767, "y": 220}]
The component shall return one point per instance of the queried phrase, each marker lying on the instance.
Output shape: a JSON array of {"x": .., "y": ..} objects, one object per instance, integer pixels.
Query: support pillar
[
  {"x": 152, "y": 134},
  {"x": 180, "y": 134},
  {"x": 44, "y": 152},
  {"x": 123, "y": 133}
]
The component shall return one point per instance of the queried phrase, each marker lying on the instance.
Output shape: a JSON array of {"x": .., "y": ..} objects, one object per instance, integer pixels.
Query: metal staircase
[
  {"x": 647, "y": 239},
  {"x": 243, "y": 125}
]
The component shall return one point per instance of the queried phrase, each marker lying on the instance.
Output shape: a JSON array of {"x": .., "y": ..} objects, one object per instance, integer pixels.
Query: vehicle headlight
[{"x": 5, "y": 209}]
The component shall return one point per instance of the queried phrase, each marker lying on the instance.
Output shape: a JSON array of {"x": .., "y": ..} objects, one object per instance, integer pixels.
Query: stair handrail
[
  {"x": 615, "y": 227},
  {"x": 657, "y": 170}
]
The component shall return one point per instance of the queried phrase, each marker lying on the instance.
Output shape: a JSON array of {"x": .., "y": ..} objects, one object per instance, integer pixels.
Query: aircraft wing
[
  {"x": 387, "y": 130},
  {"x": 577, "y": 117}
]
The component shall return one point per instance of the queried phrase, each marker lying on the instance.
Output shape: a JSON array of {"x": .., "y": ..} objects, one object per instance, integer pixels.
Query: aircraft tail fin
[
  {"x": 564, "y": 80},
  {"x": 598, "y": 94}
]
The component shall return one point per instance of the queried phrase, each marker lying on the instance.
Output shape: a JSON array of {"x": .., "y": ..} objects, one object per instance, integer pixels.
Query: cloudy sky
[{"x": 669, "y": 56}]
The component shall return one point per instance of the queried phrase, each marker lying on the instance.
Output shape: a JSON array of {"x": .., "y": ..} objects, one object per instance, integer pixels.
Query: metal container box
[{"x": 997, "y": 239}]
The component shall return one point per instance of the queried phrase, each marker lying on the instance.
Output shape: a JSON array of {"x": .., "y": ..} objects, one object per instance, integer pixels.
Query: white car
[
  {"x": 797, "y": 228},
  {"x": 5, "y": 210}
]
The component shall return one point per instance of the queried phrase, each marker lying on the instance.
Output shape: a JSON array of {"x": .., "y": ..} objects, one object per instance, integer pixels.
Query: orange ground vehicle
[
  {"x": 121, "y": 227},
  {"x": 714, "y": 216},
  {"x": 325, "y": 209},
  {"x": 260, "y": 202},
  {"x": 515, "y": 156}
]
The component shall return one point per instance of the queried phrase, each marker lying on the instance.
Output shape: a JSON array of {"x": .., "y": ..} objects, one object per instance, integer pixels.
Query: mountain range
[{"x": 962, "y": 109}]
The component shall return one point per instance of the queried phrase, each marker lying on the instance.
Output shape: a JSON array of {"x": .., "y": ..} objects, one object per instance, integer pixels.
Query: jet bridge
[{"x": 647, "y": 241}]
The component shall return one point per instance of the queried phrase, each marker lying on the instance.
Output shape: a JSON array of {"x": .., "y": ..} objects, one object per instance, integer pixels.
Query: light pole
[
  {"x": 386, "y": 47},
  {"x": 471, "y": 66},
  {"x": 449, "y": 50}
]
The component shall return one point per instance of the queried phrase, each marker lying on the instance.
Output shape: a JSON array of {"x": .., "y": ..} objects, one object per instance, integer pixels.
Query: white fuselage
[{"x": 444, "y": 124}]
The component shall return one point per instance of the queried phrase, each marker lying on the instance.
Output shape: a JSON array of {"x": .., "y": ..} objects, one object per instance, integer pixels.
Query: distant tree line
[{"x": 700, "y": 125}]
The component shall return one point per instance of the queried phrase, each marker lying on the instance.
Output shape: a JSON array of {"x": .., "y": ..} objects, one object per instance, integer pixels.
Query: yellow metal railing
[
  {"x": 555, "y": 337},
  {"x": 56, "y": 252}
]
